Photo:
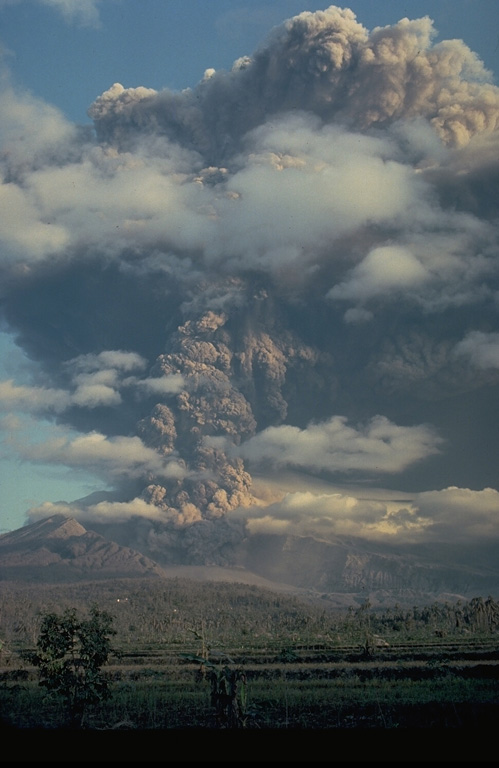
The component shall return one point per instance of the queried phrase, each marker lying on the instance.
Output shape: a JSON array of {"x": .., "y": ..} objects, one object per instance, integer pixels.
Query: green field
[
  {"x": 450, "y": 686},
  {"x": 297, "y": 666}
]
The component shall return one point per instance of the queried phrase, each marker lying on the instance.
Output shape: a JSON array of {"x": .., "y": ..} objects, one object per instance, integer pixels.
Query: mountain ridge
[{"x": 59, "y": 549}]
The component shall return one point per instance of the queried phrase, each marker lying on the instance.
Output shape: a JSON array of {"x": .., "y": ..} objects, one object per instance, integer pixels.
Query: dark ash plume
[{"x": 292, "y": 267}]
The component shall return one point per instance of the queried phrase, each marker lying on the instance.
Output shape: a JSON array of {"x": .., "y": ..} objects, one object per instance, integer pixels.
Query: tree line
[{"x": 165, "y": 611}]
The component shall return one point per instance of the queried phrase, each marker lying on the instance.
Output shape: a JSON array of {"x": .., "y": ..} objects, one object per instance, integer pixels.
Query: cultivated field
[{"x": 195, "y": 657}]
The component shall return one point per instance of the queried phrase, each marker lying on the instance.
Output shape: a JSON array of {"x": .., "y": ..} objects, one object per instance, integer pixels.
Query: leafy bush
[{"x": 71, "y": 651}]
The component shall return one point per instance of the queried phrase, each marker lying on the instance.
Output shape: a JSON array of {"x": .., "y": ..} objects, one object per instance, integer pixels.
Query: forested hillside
[{"x": 179, "y": 610}]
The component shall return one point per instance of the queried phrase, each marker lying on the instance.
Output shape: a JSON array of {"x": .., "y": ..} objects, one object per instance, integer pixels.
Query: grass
[{"x": 381, "y": 694}]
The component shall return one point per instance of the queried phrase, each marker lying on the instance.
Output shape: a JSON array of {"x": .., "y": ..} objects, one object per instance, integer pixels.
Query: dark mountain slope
[{"x": 61, "y": 549}]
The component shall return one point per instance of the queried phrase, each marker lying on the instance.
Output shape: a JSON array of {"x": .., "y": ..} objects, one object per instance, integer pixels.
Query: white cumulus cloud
[{"x": 334, "y": 446}]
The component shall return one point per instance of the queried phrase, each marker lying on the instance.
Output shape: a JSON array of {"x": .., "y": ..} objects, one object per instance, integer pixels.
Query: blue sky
[{"x": 66, "y": 53}]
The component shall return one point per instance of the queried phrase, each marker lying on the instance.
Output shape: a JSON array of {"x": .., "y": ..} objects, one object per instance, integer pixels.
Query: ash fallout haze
[{"x": 249, "y": 271}]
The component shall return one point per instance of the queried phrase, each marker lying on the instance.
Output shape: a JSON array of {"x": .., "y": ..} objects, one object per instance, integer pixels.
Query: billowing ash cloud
[{"x": 291, "y": 266}]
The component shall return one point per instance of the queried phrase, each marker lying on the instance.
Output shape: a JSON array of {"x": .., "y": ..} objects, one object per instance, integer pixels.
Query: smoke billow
[{"x": 247, "y": 295}]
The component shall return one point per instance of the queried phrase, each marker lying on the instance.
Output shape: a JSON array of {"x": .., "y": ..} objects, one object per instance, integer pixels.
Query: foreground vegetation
[{"x": 216, "y": 656}]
